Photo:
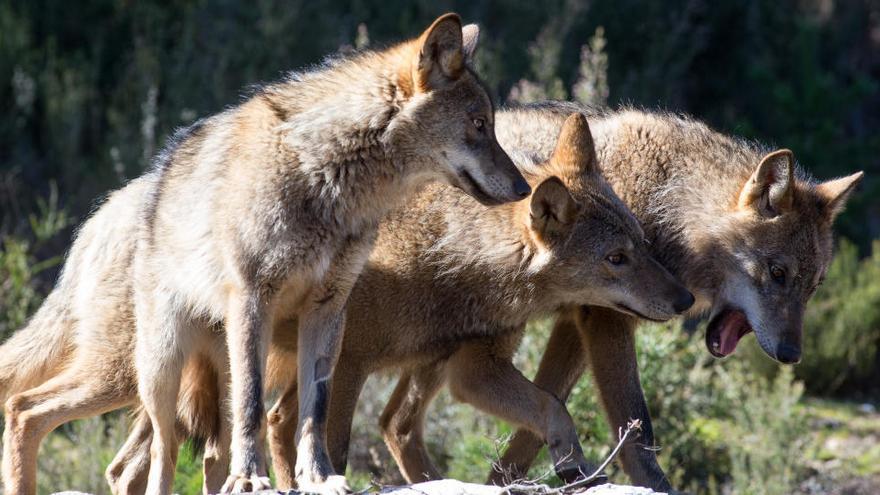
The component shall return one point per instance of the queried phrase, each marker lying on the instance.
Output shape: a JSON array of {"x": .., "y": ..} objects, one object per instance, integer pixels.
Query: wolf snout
[
  {"x": 683, "y": 302},
  {"x": 788, "y": 353},
  {"x": 521, "y": 188}
]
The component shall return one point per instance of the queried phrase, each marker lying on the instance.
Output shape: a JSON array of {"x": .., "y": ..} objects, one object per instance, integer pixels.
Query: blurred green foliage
[
  {"x": 90, "y": 89},
  {"x": 20, "y": 289}
]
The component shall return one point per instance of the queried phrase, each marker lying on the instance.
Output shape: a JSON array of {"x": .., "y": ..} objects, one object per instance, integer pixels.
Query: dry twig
[{"x": 540, "y": 489}]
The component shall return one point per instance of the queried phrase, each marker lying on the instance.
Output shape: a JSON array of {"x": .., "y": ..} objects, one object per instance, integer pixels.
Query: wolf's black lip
[
  {"x": 627, "y": 309},
  {"x": 476, "y": 191}
]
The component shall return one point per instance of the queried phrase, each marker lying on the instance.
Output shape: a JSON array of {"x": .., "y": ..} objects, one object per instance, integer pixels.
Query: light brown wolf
[
  {"x": 560, "y": 248},
  {"x": 75, "y": 357},
  {"x": 445, "y": 276},
  {"x": 267, "y": 212},
  {"x": 741, "y": 225}
]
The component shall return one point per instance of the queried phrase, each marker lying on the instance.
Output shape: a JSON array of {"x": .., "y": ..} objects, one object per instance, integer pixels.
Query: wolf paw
[
  {"x": 573, "y": 472},
  {"x": 240, "y": 483},
  {"x": 333, "y": 485}
]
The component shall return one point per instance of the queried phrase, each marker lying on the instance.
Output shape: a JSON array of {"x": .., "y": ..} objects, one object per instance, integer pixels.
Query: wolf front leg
[
  {"x": 481, "y": 373},
  {"x": 320, "y": 338},
  {"x": 321, "y": 329},
  {"x": 563, "y": 363},
  {"x": 609, "y": 339},
  {"x": 282, "y": 420},
  {"x": 248, "y": 333}
]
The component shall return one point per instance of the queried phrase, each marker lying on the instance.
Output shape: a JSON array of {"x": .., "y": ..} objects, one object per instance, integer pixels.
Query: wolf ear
[
  {"x": 834, "y": 193},
  {"x": 440, "y": 57},
  {"x": 470, "y": 36},
  {"x": 770, "y": 189},
  {"x": 552, "y": 210},
  {"x": 575, "y": 147}
]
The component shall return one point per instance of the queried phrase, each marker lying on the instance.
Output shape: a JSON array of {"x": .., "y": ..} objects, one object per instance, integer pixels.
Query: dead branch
[{"x": 634, "y": 425}]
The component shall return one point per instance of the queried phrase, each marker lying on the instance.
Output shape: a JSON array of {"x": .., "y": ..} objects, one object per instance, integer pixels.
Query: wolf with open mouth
[{"x": 745, "y": 229}]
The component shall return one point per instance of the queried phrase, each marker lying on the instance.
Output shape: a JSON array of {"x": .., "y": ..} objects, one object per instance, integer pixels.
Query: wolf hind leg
[
  {"x": 164, "y": 341},
  {"x": 32, "y": 414},
  {"x": 127, "y": 472},
  {"x": 402, "y": 421}
]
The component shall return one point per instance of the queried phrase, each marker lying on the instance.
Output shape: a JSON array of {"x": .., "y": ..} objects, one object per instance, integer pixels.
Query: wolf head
[
  {"x": 453, "y": 114},
  {"x": 598, "y": 249},
  {"x": 776, "y": 241}
]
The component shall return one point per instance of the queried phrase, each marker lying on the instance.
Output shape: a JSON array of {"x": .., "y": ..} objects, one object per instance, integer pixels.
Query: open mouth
[
  {"x": 476, "y": 191},
  {"x": 725, "y": 330},
  {"x": 629, "y": 310}
]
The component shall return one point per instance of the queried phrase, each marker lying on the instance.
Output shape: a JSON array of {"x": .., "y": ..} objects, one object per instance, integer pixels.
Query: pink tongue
[{"x": 731, "y": 332}]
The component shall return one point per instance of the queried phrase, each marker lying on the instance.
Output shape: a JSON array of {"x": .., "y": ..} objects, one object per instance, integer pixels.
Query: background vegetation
[{"x": 90, "y": 89}]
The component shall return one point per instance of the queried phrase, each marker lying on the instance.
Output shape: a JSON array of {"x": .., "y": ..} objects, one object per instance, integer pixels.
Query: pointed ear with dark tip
[
  {"x": 552, "y": 210},
  {"x": 440, "y": 57},
  {"x": 470, "y": 37},
  {"x": 770, "y": 189},
  {"x": 834, "y": 193},
  {"x": 575, "y": 147}
]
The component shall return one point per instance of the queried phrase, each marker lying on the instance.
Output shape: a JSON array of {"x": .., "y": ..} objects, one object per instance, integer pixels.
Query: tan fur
[
  {"x": 665, "y": 208},
  {"x": 264, "y": 213},
  {"x": 418, "y": 246},
  {"x": 447, "y": 273},
  {"x": 716, "y": 211},
  {"x": 268, "y": 211}
]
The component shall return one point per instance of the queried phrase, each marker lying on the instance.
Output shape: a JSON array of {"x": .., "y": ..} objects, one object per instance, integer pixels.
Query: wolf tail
[{"x": 34, "y": 352}]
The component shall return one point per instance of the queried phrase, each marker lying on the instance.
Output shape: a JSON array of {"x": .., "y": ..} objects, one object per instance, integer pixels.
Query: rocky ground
[
  {"x": 844, "y": 458},
  {"x": 453, "y": 487}
]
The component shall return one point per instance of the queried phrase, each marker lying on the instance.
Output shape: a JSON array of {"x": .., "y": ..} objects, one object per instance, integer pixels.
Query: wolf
[
  {"x": 267, "y": 212},
  {"x": 447, "y": 274},
  {"x": 744, "y": 228},
  {"x": 572, "y": 212},
  {"x": 75, "y": 357}
]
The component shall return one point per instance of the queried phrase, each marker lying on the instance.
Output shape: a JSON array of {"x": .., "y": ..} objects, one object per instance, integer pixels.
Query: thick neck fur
[
  {"x": 487, "y": 251},
  {"x": 680, "y": 178},
  {"x": 342, "y": 126}
]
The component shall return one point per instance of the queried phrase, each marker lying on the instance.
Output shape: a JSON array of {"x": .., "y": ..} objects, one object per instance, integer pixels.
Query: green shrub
[
  {"x": 20, "y": 295},
  {"x": 717, "y": 422},
  {"x": 842, "y": 326}
]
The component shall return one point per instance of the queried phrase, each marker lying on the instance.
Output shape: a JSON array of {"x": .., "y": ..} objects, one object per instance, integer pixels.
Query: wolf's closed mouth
[
  {"x": 627, "y": 309},
  {"x": 482, "y": 196}
]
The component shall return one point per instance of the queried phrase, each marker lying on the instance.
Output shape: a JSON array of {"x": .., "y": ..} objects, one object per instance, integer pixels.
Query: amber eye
[
  {"x": 479, "y": 123},
  {"x": 777, "y": 273},
  {"x": 616, "y": 259}
]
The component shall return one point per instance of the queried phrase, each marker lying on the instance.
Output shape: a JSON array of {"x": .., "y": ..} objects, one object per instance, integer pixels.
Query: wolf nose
[
  {"x": 684, "y": 302},
  {"x": 521, "y": 188},
  {"x": 788, "y": 354}
]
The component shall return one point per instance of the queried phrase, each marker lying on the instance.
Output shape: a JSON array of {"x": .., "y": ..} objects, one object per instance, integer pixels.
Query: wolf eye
[
  {"x": 777, "y": 273},
  {"x": 479, "y": 123},
  {"x": 616, "y": 259}
]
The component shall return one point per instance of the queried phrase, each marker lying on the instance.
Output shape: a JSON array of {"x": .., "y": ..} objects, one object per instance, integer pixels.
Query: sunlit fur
[
  {"x": 445, "y": 270},
  {"x": 684, "y": 182},
  {"x": 261, "y": 213}
]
